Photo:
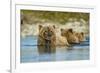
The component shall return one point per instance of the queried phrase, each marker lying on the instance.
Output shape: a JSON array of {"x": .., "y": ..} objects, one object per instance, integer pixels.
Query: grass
[{"x": 53, "y": 16}]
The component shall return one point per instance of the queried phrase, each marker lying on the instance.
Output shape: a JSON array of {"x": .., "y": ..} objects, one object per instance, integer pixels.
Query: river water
[{"x": 29, "y": 52}]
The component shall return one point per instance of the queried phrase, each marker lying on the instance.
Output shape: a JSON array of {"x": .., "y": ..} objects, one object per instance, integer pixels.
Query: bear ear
[
  {"x": 54, "y": 26},
  {"x": 40, "y": 26},
  {"x": 61, "y": 29},
  {"x": 82, "y": 33},
  {"x": 71, "y": 30}
]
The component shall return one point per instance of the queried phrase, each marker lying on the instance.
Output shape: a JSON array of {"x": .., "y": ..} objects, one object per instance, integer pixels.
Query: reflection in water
[
  {"x": 33, "y": 53},
  {"x": 46, "y": 49},
  {"x": 46, "y": 53}
]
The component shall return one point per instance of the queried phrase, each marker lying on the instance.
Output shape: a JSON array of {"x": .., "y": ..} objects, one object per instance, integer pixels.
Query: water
[{"x": 30, "y": 53}]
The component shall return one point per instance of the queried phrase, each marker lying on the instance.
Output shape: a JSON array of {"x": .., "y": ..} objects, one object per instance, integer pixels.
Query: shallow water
[{"x": 29, "y": 52}]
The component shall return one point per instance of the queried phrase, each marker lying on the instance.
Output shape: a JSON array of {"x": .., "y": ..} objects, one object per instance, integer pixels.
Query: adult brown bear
[
  {"x": 70, "y": 36},
  {"x": 46, "y": 38}
]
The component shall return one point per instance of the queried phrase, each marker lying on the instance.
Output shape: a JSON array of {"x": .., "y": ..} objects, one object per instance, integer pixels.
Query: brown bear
[
  {"x": 61, "y": 41},
  {"x": 70, "y": 36},
  {"x": 47, "y": 36},
  {"x": 80, "y": 36}
]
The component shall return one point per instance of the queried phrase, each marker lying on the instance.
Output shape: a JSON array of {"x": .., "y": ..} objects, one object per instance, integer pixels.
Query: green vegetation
[{"x": 54, "y": 16}]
